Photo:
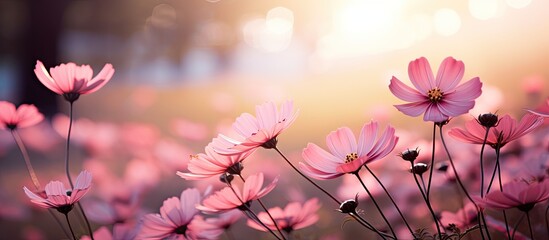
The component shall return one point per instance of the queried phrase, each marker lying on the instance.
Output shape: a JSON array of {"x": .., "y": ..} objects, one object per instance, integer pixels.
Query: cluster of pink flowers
[{"x": 484, "y": 210}]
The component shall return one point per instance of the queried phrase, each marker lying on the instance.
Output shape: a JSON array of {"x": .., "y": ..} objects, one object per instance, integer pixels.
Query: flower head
[
  {"x": 179, "y": 219},
  {"x": 71, "y": 80},
  {"x": 58, "y": 197},
  {"x": 294, "y": 216},
  {"x": 259, "y": 131},
  {"x": 346, "y": 156},
  {"x": 24, "y": 116},
  {"x": 463, "y": 218},
  {"x": 520, "y": 194},
  {"x": 438, "y": 98},
  {"x": 226, "y": 220},
  {"x": 507, "y": 130},
  {"x": 210, "y": 163},
  {"x": 227, "y": 199}
]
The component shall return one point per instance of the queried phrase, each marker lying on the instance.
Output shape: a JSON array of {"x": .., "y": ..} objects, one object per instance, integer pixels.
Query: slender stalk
[
  {"x": 529, "y": 225},
  {"x": 482, "y": 162},
  {"x": 391, "y": 198},
  {"x": 267, "y": 211},
  {"x": 366, "y": 224},
  {"x": 432, "y": 162},
  {"x": 501, "y": 189},
  {"x": 25, "y": 154},
  {"x": 517, "y": 224},
  {"x": 427, "y": 201},
  {"x": 369, "y": 226},
  {"x": 70, "y": 227},
  {"x": 375, "y": 203},
  {"x": 547, "y": 220},
  {"x": 482, "y": 224},
  {"x": 496, "y": 166}
]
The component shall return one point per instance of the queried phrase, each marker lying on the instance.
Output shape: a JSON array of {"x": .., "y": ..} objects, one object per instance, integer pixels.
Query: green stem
[{"x": 375, "y": 203}]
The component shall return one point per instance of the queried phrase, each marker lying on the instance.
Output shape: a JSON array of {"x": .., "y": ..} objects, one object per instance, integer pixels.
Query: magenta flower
[
  {"x": 71, "y": 80},
  {"x": 178, "y": 219},
  {"x": 519, "y": 194},
  {"x": 507, "y": 130},
  {"x": 463, "y": 218},
  {"x": 24, "y": 116},
  {"x": 210, "y": 163},
  {"x": 260, "y": 131},
  {"x": 58, "y": 197},
  {"x": 294, "y": 216},
  {"x": 346, "y": 156},
  {"x": 225, "y": 199},
  {"x": 437, "y": 98}
]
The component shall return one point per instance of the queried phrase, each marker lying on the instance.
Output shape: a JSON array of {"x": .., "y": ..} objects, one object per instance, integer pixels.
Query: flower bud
[
  {"x": 488, "y": 120},
  {"x": 226, "y": 178},
  {"x": 409, "y": 155},
  {"x": 419, "y": 168},
  {"x": 349, "y": 206}
]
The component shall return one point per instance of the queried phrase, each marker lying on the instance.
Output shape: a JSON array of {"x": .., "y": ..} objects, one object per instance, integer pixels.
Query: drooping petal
[
  {"x": 405, "y": 93},
  {"x": 413, "y": 109}
]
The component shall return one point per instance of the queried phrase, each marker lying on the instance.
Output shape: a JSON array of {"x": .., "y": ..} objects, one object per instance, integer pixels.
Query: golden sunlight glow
[
  {"x": 483, "y": 9},
  {"x": 272, "y": 33},
  {"x": 447, "y": 22},
  {"x": 518, "y": 3}
]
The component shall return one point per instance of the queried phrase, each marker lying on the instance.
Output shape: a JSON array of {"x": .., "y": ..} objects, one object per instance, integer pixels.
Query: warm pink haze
[
  {"x": 346, "y": 155},
  {"x": 256, "y": 131},
  {"x": 210, "y": 163},
  {"x": 440, "y": 98},
  {"x": 520, "y": 194},
  {"x": 225, "y": 199},
  {"x": 293, "y": 217},
  {"x": 70, "y": 78},
  {"x": 179, "y": 219},
  {"x": 509, "y": 128},
  {"x": 25, "y": 115},
  {"x": 58, "y": 197}
]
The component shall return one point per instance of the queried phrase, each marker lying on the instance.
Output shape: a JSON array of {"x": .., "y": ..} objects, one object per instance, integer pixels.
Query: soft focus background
[{"x": 186, "y": 69}]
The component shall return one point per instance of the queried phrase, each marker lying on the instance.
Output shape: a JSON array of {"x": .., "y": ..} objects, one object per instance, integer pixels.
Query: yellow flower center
[
  {"x": 435, "y": 95},
  {"x": 350, "y": 157}
]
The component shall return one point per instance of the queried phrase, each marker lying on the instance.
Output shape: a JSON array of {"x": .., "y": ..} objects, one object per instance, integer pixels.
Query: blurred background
[{"x": 186, "y": 69}]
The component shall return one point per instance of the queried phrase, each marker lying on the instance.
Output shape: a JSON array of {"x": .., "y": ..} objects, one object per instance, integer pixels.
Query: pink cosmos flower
[
  {"x": 294, "y": 216},
  {"x": 519, "y": 194},
  {"x": 178, "y": 219},
  {"x": 210, "y": 163},
  {"x": 24, "y": 116},
  {"x": 437, "y": 98},
  {"x": 346, "y": 156},
  {"x": 226, "y": 220},
  {"x": 260, "y": 131},
  {"x": 539, "y": 113},
  {"x": 58, "y": 197},
  {"x": 507, "y": 130},
  {"x": 225, "y": 199},
  {"x": 71, "y": 80},
  {"x": 463, "y": 218}
]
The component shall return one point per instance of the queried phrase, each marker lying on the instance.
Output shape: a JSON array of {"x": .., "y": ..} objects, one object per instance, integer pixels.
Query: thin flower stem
[
  {"x": 366, "y": 224},
  {"x": 423, "y": 184},
  {"x": 501, "y": 189},
  {"x": 86, "y": 220},
  {"x": 308, "y": 179},
  {"x": 25, "y": 154},
  {"x": 482, "y": 162},
  {"x": 482, "y": 224},
  {"x": 375, "y": 203},
  {"x": 267, "y": 211},
  {"x": 248, "y": 210},
  {"x": 530, "y": 225},
  {"x": 547, "y": 220},
  {"x": 324, "y": 191},
  {"x": 427, "y": 201},
  {"x": 496, "y": 166},
  {"x": 391, "y": 198},
  {"x": 432, "y": 162},
  {"x": 59, "y": 223},
  {"x": 70, "y": 227},
  {"x": 516, "y": 225}
]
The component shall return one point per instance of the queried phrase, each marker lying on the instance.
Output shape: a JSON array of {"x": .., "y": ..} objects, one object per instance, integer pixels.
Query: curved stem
[
  {"x": 391, "y": 198},
  {"x": 366, "y": 224},
  {"x": 530, "y": 225},
  {"x": 432, "y": 163},
  {"x": 516, "y": 225},
  {"x": 482, "y": 162},
  {"x": 267, "y": 211},
  {"x": 546, "y": 220},
  {"x": 86, "y": 220},
  {"x": 496, "y": 166},
  {"x": 26, "y": 158},
  {"x": 482, "y": 224},
  {"x": 427, "y": 201},
  {"x": 307, "y": 178},
  {"x": 67, "y": 171},
  {"x": 501, "y": 189},
  {"x": 375, "y": 203},
  {"x": 70, "y": 227}
]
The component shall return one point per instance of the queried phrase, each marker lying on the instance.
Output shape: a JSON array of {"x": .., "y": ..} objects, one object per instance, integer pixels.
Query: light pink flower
[
  {"x": 24, "y": 116},
  {"x": 519, "y": 194},
  {"x": 58, "y": 197},
  {"x": 463, "y": 218},
  {"x": 226, "y": 220},
  {"x": 294, "y": 216},
  {"x": 71, "y": 80},
  {"x": 178, "y": 219},
  {"x": 210, "y": 163},
  {"x": 507, "y": 130},
  {"x": 259, "y": 131},
  {"x": 346, "y": 156},
  {"x": 225, "y": 199},
  {"x": 437, "y": 98},
  {"x": 539, "y": 113}
]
